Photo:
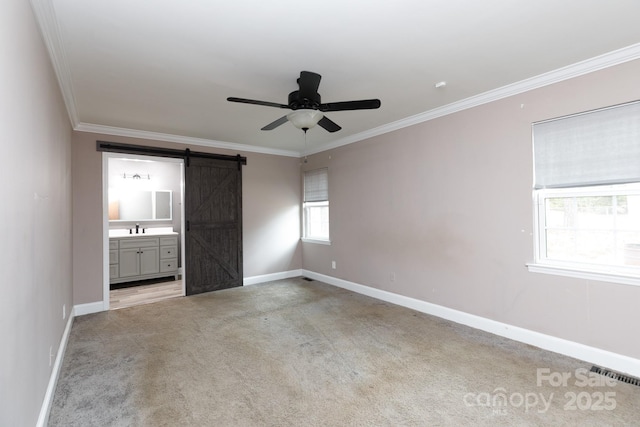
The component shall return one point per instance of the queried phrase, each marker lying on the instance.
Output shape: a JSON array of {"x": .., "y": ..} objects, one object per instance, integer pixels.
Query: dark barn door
[{"x": 213, "y": 213}]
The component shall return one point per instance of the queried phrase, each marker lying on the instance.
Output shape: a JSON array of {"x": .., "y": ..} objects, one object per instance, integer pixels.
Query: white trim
[
  {"x": 600, "y": 357},
  {"x": 45, "y": 15},
  {"x": 601, "y": 276},
  {"x": 316, "y": 241},
  {"x": 45, "y": 409},
  {"x": 98, "y": 306},
  {"x": 89, "y": 308},
  {"x": 623, "y": 274},
  {"x": 254, "y": 280},
  {"x": 157, "y": 136},
  {"x": 578, "y": 69},
  {"x": 48, "y": 23},
  {"x": 105, "y": 230}
]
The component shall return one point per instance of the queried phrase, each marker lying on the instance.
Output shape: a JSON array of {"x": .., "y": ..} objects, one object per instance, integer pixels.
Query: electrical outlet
[
  {"x": 50, "y": 356},
  {"x": 392, "y": 277},
  {"x": 64, "y": 311},
  {"x": 333, "y": 265}
]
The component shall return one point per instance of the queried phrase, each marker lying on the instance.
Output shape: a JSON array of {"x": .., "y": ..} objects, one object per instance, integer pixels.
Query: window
[
  {"x": 587, "y": 193},
  {"x": 595, "y": 226},
  {"x": 315, "y": 208}
]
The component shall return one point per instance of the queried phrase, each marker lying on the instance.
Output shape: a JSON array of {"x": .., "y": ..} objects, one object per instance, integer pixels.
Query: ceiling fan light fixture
[{"x": 305, "y": 118}]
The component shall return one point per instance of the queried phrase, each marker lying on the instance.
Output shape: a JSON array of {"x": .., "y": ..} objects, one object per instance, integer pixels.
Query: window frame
[
  {"x": 307, "y": 205},
  {"x": 305, "y": 227},
  {"x": 603, "y": 272}
]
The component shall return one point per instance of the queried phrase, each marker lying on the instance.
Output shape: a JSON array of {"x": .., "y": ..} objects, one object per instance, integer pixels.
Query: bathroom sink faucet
[{"x": 137, "y": 228}]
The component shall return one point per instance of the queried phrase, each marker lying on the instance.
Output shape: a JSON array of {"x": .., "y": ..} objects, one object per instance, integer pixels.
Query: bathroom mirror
[{"x": 140, "y": 205}]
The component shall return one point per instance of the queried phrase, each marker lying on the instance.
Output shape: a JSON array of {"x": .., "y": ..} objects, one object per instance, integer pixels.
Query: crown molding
[
  {"x": 132, "y": 133},
  {"x": 606, "y": 60},
  {"x": 46, "y": 18}
]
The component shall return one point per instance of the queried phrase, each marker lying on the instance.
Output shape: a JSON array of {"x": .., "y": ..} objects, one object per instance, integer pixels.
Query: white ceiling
[{"x": 163, "y": 69}]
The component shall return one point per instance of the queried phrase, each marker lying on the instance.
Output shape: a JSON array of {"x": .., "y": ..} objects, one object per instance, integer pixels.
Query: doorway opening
[{"x": 143, "y": 229}]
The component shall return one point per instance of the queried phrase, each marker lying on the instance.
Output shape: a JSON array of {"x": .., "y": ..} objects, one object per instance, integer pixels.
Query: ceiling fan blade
[
  {"x": 328, "y": 124},
  {"x": 365, "y": 104},
  {"x": 275, "y": 123},
  {"x": 255, "y": 102},
  {"x": 309, "y": 83}
]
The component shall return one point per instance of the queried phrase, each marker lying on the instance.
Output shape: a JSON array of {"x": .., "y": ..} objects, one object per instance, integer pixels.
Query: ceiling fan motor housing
[{"x": 297, "y": 102}]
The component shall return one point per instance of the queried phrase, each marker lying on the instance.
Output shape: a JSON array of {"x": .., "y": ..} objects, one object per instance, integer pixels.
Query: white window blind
[
  {"x": 316, "y": 185},
  {"x": 594, "y": 148}
]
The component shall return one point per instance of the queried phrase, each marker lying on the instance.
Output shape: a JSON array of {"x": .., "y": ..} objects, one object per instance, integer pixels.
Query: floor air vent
[
  {"x": 620, "y": 377},
  {"x": 307, "y": 279}
]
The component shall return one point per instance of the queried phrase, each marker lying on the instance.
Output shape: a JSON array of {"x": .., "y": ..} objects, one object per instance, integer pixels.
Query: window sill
[
  {"x": 602, "y": 276},
  {"x": 316, "y": 241}
]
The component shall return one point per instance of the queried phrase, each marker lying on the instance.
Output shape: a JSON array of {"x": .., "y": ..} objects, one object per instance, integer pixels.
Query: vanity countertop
[{"x": 157, "y": 231}]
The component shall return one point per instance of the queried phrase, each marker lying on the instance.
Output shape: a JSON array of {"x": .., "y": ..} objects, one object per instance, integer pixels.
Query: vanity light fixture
[{"x": 135, "y": 176}]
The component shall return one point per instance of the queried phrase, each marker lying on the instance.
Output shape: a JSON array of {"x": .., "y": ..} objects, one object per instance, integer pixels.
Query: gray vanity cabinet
[{"x": 138, "y": 258}]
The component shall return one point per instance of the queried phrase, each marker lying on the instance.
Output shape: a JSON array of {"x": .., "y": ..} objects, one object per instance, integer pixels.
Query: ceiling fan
[{"x": 307, "y": 109}]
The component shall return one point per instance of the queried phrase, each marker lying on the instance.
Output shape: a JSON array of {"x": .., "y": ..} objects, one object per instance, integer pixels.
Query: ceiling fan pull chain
[{"x": 305, "y": 146}]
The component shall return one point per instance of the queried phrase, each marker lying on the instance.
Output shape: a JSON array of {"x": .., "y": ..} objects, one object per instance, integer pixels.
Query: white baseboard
[
  {"x": 98, "y": 306},
  {"x": 45, "y": 409},
  {"x": 254, "y": 280},
  {"x": 88, "y": 308},
  {"x": 603, "y": 358}
]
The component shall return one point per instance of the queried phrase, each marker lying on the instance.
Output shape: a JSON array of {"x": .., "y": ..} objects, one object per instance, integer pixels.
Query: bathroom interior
[{"x": 145, "y": 229}]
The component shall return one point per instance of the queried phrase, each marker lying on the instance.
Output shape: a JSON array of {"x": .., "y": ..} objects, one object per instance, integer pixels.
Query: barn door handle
[{"x": 188, "y": 225}]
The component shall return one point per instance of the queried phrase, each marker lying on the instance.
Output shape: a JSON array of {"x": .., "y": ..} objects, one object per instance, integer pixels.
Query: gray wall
[
  {"x": 36, "y": 214},
  {"x": 271, "y": 211},
  {"x": 447, "y": 207}
]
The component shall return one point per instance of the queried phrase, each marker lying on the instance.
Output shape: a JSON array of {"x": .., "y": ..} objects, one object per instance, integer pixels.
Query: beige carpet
[{"x": 297, "y": 353}]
